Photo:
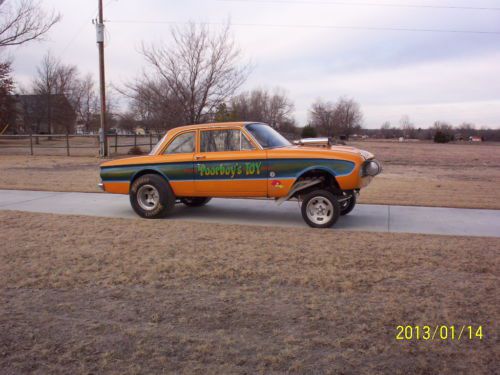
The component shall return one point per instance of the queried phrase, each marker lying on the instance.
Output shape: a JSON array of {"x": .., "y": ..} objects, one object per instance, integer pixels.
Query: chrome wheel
[
  {"x": 148, "y": 197},
  {"x": 319, "y": 210}
]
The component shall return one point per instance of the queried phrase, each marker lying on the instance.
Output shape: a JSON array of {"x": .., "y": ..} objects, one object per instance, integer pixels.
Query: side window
[
  {"x": 224, "y": 140},
  {"x": 245, "y": 143},
  {"x": 182, "y": 144}
]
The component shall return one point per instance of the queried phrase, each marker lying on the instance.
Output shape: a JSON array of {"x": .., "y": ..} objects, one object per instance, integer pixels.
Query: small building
[
  {"x": 139, "y": 131},
  {"x": 42, "y": 114},
  {"x": 474, "y": 138}
]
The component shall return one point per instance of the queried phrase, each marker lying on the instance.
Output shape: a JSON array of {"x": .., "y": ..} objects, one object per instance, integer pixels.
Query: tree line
[{"x": 440, "y": 131}]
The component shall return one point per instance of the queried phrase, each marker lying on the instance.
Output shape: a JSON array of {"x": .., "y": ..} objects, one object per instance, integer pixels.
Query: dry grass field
[
  {"x": 57, "y": 173},
  {"x": 429, "y": 174},
  {"x": 95, "y": 295},
  {"x": 415, "y": 173}
]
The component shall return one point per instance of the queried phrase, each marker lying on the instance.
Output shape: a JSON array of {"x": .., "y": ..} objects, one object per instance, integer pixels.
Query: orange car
[{"x": 192, "y": 164}]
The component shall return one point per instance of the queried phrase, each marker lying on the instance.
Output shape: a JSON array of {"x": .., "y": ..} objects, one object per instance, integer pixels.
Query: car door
[
  {"x": 178, "y": 166},
  {"x": 228, "y": 163}
]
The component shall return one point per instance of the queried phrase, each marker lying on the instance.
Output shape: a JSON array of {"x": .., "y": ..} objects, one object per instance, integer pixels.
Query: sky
[{"x": 311, "y": 49}]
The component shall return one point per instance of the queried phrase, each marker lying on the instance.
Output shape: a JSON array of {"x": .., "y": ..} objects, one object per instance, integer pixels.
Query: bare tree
[
  {"x": 7, "y": 107},
  {"x": 200, "y": 70},
  {"x": 407, "y": 127},
  {"x": 273, "y": 108},
  {"x": 348, "y": 116},
  {"x": 56, "y": 82},
  {"x": 466, "y": 130},
  {"x": 128, "y": 122},
  {"x": 443, "y": 126},
  {"x": 155, "y": 104},
  {"x": 45, "y": 84},
  {"x": 322, "y": 117},
  {"x": 334, "y": 119},
  {"x": 85, "y": 101},
  {"x": 386, "y": 130},
  {"x": 280, "y": 109},
  {"x": 22, "y": 21},
  {"x": 53, "y": 77}
]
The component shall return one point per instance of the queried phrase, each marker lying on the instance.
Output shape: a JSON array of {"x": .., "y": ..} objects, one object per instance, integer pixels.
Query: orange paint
[{"x": 117, "y": 187}]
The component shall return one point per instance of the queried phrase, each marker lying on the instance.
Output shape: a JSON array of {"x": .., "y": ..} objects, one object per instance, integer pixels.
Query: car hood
[{"x": 333, "y": 152}]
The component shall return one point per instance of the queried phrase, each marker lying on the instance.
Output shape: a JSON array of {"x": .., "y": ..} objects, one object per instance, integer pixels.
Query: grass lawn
[
  {"x": 415, "y": 173},
  {"x": 96, "y": 295}
]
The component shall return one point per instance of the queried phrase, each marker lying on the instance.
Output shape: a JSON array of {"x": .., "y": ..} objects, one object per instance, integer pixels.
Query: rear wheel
[
  {"x": 151, "y": 196},
  {"x": 195, "y": 201},
  {"x": 320, "y": 209},
  {"x": 347, "y": 203}
]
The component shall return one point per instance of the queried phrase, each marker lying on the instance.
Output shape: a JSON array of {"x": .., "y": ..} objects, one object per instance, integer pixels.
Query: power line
[
  {"x": 345, "y": 3},
  {"x": 82, "y": 27},
  {"x": 326, "y": 27}
]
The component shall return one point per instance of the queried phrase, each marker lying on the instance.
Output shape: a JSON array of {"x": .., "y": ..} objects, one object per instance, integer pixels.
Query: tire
[
  {"x": 195, "y": 201},
  {"x": 348, "y": 206},
  {"x": 326, "y": 203},
  {"x": 151, "y": 196}
]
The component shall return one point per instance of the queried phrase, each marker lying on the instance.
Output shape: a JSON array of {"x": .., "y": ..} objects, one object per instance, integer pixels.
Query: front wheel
[
  {"x": 195, "y": 201},
  {"x": 151, "y": 196},
  {"x": 347, "y": 203},
  {"x": 320, "y": 209}
]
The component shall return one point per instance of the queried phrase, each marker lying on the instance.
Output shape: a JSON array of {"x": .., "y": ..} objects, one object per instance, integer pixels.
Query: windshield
[
  {"x": 267, "y": 136},
  {"x": 158, "y": 145}
]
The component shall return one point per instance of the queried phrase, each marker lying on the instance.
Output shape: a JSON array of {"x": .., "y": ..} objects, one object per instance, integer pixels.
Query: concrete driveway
[{"x": 365, "y": 217}]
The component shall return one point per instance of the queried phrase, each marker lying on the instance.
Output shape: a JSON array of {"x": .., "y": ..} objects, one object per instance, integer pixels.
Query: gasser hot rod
[{"x": 192, "y": 164}]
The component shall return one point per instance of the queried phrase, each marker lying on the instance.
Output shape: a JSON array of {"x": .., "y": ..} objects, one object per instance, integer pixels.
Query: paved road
[{"x": 365, "y": 217}]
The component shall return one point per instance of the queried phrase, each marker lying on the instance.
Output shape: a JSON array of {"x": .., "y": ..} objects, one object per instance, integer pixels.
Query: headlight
[{"x": 371, "y": 168}]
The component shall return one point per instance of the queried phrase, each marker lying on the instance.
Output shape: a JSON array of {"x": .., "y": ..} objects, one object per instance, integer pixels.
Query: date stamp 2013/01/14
[{"x": 439, "y": 332}]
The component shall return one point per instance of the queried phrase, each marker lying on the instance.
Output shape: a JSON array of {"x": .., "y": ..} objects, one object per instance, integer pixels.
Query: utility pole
[{"x": 103, "y": 139}]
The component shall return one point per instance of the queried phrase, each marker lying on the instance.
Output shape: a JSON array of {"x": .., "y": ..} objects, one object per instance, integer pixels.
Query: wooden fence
[{"x": 74, "y": 144}]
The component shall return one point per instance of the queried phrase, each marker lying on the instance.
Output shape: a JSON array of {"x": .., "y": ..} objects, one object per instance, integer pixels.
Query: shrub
[
  {"x": 135, "y": 151},
  {"x": 308, "y": 132},
  {"x": 441, "y": 137}
]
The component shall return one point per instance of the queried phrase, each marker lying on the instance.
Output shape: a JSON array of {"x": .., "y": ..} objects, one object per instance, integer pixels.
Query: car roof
[{"x": 214, "y": 125}]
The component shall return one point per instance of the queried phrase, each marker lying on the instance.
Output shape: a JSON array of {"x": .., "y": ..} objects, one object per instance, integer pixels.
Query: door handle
[{"x": 199, "y": 157}]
